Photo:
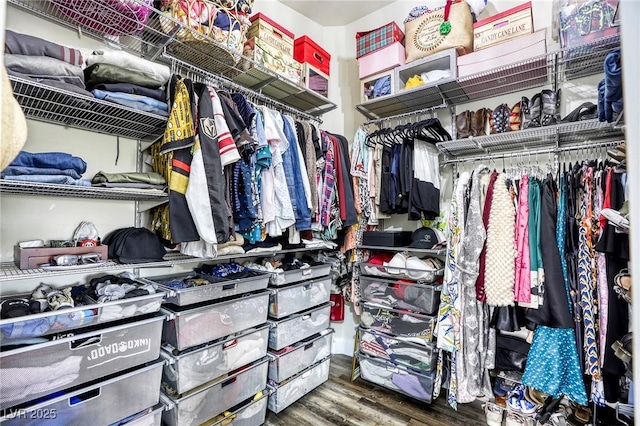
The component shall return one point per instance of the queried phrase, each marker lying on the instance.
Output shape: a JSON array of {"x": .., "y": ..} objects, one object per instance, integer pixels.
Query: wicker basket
[{"x": 111, "y": 17}]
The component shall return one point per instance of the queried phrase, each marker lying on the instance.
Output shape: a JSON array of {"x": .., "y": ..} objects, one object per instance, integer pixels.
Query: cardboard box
[
  {"x": 277, "y": 36},
  {"x": 383, "y": 59},
  {"x": 32, "y": 258},
  {"x": 316, "y": 80},
  {"x": 370, "y": 41},
  {"x": 308, "y": 51},
  {"x": 502, "y": 27},
  {"x": 272, "y": 59},
  {"x": 370, "y": 86}
]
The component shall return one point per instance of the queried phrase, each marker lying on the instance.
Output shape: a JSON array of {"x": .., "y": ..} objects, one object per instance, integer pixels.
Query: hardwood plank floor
[{"x": 342, "y": 402}]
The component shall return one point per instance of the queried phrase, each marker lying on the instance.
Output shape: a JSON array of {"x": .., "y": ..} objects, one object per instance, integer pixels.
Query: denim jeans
[
  {"x": 50, "y": 160},
  {"x": 294, "y": 176},
  {"x": 20, "y": 171},
  {"x": 60, "y": 179}
]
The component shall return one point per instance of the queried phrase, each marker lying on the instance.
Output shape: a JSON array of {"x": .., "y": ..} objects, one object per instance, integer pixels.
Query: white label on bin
[{"x": 115, "y": 351}]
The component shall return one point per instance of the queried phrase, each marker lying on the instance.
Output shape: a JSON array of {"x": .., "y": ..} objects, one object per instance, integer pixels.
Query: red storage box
[
  {"x": 307, "y": 51},
  {"x": 370, "y": 41}
]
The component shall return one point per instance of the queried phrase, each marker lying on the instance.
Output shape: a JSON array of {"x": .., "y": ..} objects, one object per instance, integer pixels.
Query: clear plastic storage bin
[
  {"x": 197, "y": 324},
  {"x": 192, "y": 368},
  {"x": 398, "y": 378},
  {"x": 104, "y": 403},
  {"x": 252, "y": 412},
  {"x": 298, "y": 326},
  {"x": 401, "y": 294},
  {"x": 37, "y": 370},
  {"x": 425, "y": 276},
  {"x": 299, "y": 356},
  {"x": 297, "y": 275},
  {"x": 149, "y": 417},
  {"x": 206, "y": 402},
  {"x": 286, "y": 393},
  {"x": 397, "y": 322},
  {"x": 395, "y": 349},
  {"x": 288, "y": 300},
  {"x": 208, "y": 292}
]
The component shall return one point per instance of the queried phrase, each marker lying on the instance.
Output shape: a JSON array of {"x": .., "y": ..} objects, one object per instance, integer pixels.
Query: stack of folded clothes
[
  {"x": 42, "y": 61},
  {"x": 146, "y": 181},
  {"x": 47, "y": 167},
  {"x": 125, "y": 79}
]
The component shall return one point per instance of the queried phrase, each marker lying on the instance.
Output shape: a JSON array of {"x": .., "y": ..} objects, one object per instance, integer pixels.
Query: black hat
[
  {"x": 426, "y": 238},
  {"x": 134, "y": 245}
]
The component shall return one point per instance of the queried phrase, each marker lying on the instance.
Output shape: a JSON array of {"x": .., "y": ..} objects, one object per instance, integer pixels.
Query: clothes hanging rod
[
  {"x": 207, "y": 77},
  {"x": 555, "y": 150},
  {"x": 406, "y": 114}
]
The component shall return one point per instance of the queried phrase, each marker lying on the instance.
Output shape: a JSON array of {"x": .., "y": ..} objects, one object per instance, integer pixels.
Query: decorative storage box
[
  {"x": 384, "y": 59},
  {"x": 197, "y": 324},
  {"x": 308, "y": 51},
  {"x": 386, "y": 238},
  {"x": 272, "y": 59},
  {"x": 403, "y": 352},
  {"x": 208, "y": 292},
  {"x": 370, "y": 41},
  {"x": 206, "y": 402},
  {"x": 192, "y": 368},
  {"x": 300, "y": 355},
  {"x": 395, "y": 377},
  {"x": 251, "y": 412},
  {"x": 297, "y": 275},
  {"x": 512, "y": 23},
  {"x": 267, "y": 30},
  {"x": 377, "y": 86},
  {"x": 109, "y": 401},
  {"x": 30, "y": 258},
  {"x": 583, "y": 21},
  {"x": 296, "y": 327},
  {"x": 95, "y": 353},
  {"x": 433, "y": 70},
  {"x": 408, "y": 294},
  {"x": 397, "y": 322},
  {"x": 286, "y": 393},
  {"x": 288, "y": 300},
  {"x": 315, "y": 80}
]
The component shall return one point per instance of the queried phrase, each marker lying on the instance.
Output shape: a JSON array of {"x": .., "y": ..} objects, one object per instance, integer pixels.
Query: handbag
[{"x": 438, "y": 30}]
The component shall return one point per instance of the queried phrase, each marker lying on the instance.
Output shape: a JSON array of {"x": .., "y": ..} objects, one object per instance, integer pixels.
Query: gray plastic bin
[
  {"x": 187, "y": 370},
  {"x": 285, "y": 394},
  {"x": 402, "y": 352},
  {"x": 251, "y": 413},
  {"x": 303, "y": 354},
  {"x": 403, "y": 294},
  {"x": 294, "y": 298},
  {"x": 397, "y": 322},
  {"x": 297, "y": 275},
  {"x": 298, "y": 326},
  {"x": 197, "y": 324},
  {"x": 153, "y": 417},
  {"x": 28, "y": 372}
]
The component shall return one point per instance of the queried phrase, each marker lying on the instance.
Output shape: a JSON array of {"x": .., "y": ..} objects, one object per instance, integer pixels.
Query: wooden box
[
  {"x": 31, "y": 258},
  {"x": 269, "y": 31},
  {"x": 377, "y": 86},
  {"x": 316, "y": 80},
  {"x": 272, "y": 59},
  {"x": 502, "y": 27}
]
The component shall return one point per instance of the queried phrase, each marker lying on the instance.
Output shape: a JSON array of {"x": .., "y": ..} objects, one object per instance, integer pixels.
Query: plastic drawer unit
[
  {"x": 397, "y": 322},
  {"x": 208, "y": 292},
  {"x": 37, "y": 370},
  {"x": 193, "y": 325},
  {"x": 192, "y": 368},
  {"x": 286, "y": 393},
  {"x": 297, "y": 275},
  {"x": 296, "y": 327},
  {"x": 401, "y": 293},
  {"x": 396, "y": 377},
  {"x": 107, "y": 401},
  {"x": 294, "y": 359},
  {"x": 251, "y": 412},
  {"x": 294, "y": 298},
  {"x": 394, "y": 272},
  {"x": 206, "y": 402},
  {"x": 89, "y": 314},
  {"x": 149, "y": 417},
  {"x": 407, "y": 353}
]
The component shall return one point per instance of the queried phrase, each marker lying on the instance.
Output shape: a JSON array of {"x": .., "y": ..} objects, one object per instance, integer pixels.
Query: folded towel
[
  {"x": 45, "y": 67},
  {"x": 613, "y": 85},
  {"x": 23, "y": 44},
  {"x": 157, "y": 72},
  {"x": 132, "y": 89}
]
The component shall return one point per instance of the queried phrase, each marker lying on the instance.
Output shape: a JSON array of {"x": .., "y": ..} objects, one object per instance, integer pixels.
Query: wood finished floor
[{"x": 340, "y": 401}]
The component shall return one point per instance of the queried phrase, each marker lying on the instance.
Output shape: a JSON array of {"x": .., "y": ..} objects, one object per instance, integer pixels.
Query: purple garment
[{"x": 411, "y": 386}]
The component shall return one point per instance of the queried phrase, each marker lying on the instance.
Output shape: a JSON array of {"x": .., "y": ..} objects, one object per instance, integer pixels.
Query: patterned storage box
[
  {"x": 272, "y": 59},
  {"x": 300, "y": 355},
  {"x": 271, "y": 32},
  {"x": 370, "y": 41},
  {"x": 512, "y": 23},
  {"x": 286, "y": 393}
]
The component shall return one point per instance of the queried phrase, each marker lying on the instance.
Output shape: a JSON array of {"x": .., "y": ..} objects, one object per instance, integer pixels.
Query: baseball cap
[
  {"x": 134, "y": 245},
  {"x": 426, "y": 238}
]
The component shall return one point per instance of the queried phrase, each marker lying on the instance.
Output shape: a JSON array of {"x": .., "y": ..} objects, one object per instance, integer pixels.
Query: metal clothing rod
[
  {"x": 584, "y": 146},
  {"x": 406, "y": 114},
  {"x": 206, "y": 77}
]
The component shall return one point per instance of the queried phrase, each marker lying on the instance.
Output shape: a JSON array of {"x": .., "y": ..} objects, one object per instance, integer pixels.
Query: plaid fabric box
[{"x": 370, "y": 41}]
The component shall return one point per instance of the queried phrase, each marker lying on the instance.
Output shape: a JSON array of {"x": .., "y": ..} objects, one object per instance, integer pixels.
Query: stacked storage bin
[
  {"x": 73, "y": 366},
  {"x": 215, "y": 345},
  {"x": 299, "y": 338},
  {"x": 316, "y": 65},
  {"x": 395, "y": 348}
]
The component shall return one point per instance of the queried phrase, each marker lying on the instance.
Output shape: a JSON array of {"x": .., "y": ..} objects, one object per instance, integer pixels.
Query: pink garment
[{"x": 523, "y": 262}]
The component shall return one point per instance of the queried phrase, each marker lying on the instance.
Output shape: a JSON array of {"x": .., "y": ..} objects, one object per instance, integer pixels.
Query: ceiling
[{"x": 335, "y": 13}]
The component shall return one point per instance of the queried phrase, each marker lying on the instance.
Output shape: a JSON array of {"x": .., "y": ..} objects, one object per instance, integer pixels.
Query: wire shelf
[
  {"x": 163, "y": 34},
  {"x": 438, "y": 252},
  {"x": 49, "y": 104},
  {"x": 524, "y": 140},
  {"x": 55, "y": 190}
]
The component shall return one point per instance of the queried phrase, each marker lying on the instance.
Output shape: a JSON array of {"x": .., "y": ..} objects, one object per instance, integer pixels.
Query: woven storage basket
[{"x": 111, "y": 17}]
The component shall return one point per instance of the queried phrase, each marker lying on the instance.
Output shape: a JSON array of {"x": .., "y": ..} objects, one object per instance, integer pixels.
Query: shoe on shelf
[
  {"x": 463, "y": 125},
  {"x": 494, "y": 414},
  {"x": 515, "y": 397},
  {"x": 550, "y": 107},
  {"x": 578, "y": 415},
  {"x": 531, "y": 110},
  {"x": 514, "y": 419},
  {"x": 622, "y": 285}
]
